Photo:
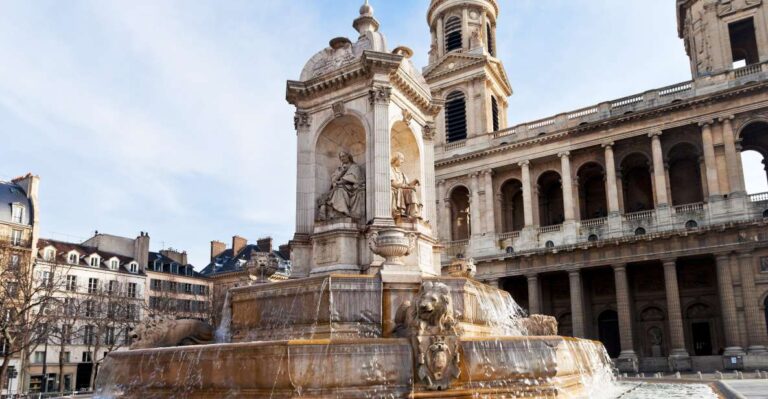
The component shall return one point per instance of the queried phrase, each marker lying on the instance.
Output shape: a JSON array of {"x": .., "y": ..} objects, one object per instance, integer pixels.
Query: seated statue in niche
[
  {"x": 405, "y": 199},
  {"x": 346, "y": 197}
]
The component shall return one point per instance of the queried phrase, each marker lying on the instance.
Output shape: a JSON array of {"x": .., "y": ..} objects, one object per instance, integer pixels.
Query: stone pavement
[{"x": 749, "y": 389}]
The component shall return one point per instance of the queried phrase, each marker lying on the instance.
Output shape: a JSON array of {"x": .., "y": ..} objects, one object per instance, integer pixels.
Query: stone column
[
  {"x": 527, "y": 193},
  {"x": 660, "y": 181},
  {"x": 755, "y": 321},
  {"x": 444, "y": 210},
  {"x": 440, "y": 37},
  {"x": 474, "y": 205},
  {"x": 565, "y": 170},
  {"x": 465, "y": 33},
  {"x": 728, "y": 305},
  {"x": 628, "y": 357},
  {"x": 610, "y": 186},
  {"x": 382, "y": 184},
  {"x": 534, "y": 302},
  {"x": 490, "y": 219},
  {"x": 305, "y": 184},
  {"x": 428, "y": 134},
  {"x": 710, "y": 163},
  {"x": 679, "y": 358},
  {"x": 732, "y": 157},
  {"x": 577, "y": 305}
]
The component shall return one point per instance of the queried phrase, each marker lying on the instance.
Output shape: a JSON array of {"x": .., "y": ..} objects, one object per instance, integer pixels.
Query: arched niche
[
  {"x": 754, "y": 145},
  {"x": 404, "y": 141},
  {"x": 346, "y": 134},
  {"x": 637, "y": 183},
  {"x": 685, "y": 174}
]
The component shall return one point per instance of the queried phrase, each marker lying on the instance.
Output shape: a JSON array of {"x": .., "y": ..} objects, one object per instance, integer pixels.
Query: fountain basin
[{"x": 537, "y": 367}]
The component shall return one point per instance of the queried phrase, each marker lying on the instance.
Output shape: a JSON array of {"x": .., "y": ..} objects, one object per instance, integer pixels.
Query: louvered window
[
  {"x": 491, "y": 49},
  {"x": 495, "y": 112},
  {"x": 453, "y": 40},
  {"x": 455, "y": 117}
]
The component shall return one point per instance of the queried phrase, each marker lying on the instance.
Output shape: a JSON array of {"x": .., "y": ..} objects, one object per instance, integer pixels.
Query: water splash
[{"x": 223, "y": 333}]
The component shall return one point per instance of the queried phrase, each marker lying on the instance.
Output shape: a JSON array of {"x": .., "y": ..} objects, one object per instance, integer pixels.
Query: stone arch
[
  {"x": 753, "y": 137},
  {"x": 593, "y": 201},
  {"x": 685, "y": 176},
  {"x": 404, "y": 140},
  {"x": 346, "y": 133},
  {"x": 550, "y": 193},
  {"x": 459, "y": 199},
  {"x": 637, "y": 182},
  {"x": 512, "y": 212},
  {"x": 699, "y": 321}
]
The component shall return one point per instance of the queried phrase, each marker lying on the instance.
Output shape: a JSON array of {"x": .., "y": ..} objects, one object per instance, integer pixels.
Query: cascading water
[{"x": 223, "y": 333}]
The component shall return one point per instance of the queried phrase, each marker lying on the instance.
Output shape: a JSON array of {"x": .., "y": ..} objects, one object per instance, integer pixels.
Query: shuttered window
[
  {"x": 453, "y": 40},
  {"x": 455, "y": 117},
  {"x": 491, "y": 49},
  {"x": 495, "y": 112}
]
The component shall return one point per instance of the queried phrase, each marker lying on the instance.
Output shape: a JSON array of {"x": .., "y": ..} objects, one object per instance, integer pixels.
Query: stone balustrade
[{"x": 761, "y": 197}]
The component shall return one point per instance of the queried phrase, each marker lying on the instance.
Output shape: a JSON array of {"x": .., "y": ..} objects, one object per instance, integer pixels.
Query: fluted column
[
  {"x": 440, "y": 37},
  {"x": 527, "y": 193},
  {"x": 565, "y": 170},
  {"x": 444, "y": 211},
  {"x": 728, "y": 306},
  {"x": 428, "y": 134},
  {"x": 474, "y": 206},
  {"x": 534, "y": 303},
  {"x": 305, "y": 209},
  {"x": 675, "y": 316},
  {"x": 732, "y": 156},
  {"x": 466, "y": 33},
  {"x": 490, "y": 220},
  {"x": 610, "y": 172},
  {"x": 382, "y": 184},
  {"x": 710, "y": 163},
  {"x": 659, "y": 178},
  {"x": 577, "y": 304},
  {"x": 755, "y": 323},
  {"x": 625, "y": 311}
]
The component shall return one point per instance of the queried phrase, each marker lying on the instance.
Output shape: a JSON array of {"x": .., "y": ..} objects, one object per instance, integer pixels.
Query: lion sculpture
[
  {"x": 539, "y": 325},
  {"x": 166, "y": 333},
  {"x": 431, "y": 314}
]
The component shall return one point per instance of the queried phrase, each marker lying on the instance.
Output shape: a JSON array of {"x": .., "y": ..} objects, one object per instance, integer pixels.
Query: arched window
[
  {"x": 495, "y": 113},
  {"x": 551, "y": 211},
  {"x": 460, "y": 228},
  {"x": 636, "y": 182},
  {"x": 453, "y": 39},
  {"x": 592, "y": 198},
  {"x": 685, "y": 175},
  {"x": 489, "y": 33},
  {"x": 513, "y": 217},
  {"x": 455, "y": 117},
  {"x": 754, "y": 157}
]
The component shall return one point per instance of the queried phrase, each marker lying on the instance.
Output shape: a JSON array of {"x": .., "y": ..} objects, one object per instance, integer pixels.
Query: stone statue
[
  {"x": 166, "y": 333},
  {"x": 347, "y": 195},
  {"x": 429, "y": 323},
  {"x": 405, "y": 199}
]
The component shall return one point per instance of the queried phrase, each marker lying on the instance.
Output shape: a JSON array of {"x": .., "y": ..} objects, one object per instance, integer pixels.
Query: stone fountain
[{"x": 368, "y": 312}]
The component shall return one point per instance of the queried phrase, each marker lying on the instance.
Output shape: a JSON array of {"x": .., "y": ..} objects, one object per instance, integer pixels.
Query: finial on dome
[{"x": 366, "y": 21}]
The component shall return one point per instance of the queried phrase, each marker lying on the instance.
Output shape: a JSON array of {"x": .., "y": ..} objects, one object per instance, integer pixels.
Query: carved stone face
[
  {"x": 345, "y": 158},
  {"x": 427, "y": 305},
  {"x": 398, "y": 159}
]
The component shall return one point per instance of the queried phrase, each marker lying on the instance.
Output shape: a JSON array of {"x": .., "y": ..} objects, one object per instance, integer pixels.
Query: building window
[
  {"x": 133, "y": 267},
  {"x": 90, "y": 309},
  {"x": 132, "y": 312},
  {"x": 46, "y": 278},
  {"x": 173, "y": 286},
  {"x": 495, "y": 113},
  {"x": 764, "y": 264},
  {"x": 16, "y": 237},
  {"x": 87, "y": 357},
  {"x": 93, "y": 285},
  {"x": 17, "y": 213},
  {"x": 112, "y": 288},
  {"x": 89, "y": 338},
  {"x": 453, "y": 38},
  {"x": 39, "y": 357},
  {"x": 67, "y": 357},
  {"x": 49, "y": 254},
  {"x": 66, "y": 335},
  {"x": 73, "y": 258},
  {"x": 132, "y": 290},
  {"x": 455, "y": 117},
  {"x": 94, "y": 261},
  {"x": 187, "y": 288},
  {"x": 72, "y": 283},
  {"x": 489, "y": 34},
  {"x": 69, "y": 306},
  {"x": 156, "y": 285},
  {"x": 15, "y": 261},
  {"x": 109, "y": 336},
  {"x": 743, "y": 43},
  {"x": 114, "y": 264}
]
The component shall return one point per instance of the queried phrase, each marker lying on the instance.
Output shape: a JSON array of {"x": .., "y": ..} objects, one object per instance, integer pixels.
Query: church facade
[{"x": 628, "y": 221}]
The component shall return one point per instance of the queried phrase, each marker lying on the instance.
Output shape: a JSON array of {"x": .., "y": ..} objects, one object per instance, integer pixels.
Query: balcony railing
[
  {"x": 550, "y": 229},
  {"x": 642, "y": 215},
  {"x": 509, "y": 236},
  {"x": 456, "y": 248},
  {"x": 688, "y": 209},
  {"x": 10, "y": 241},
  {"x": 760, "y": 197},
  {"x": 455, "y": 145},
  {"x": 591, "y": 223},
  {"x": 747, "y": 70}
]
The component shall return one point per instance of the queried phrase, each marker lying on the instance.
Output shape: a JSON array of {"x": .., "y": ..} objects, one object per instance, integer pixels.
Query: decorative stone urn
[{"x": 392, "y": 245}]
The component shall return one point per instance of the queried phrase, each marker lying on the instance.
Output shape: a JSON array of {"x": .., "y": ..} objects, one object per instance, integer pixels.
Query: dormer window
[
  {"x": 17, "y": 213},
  {"x": 133, "y": 267},
  {"x": 49, "y": 254},
  {"x": 453, "y": 38},
  {"x": 94, "y": 261},
  {"x": 114, "y": 264},
  {"x": 73, "y": 258}
]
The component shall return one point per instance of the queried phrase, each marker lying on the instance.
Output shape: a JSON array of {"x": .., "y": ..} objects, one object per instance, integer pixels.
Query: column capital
[
  {"x": 380, "y": 94},
  {"x": 474, "y": 175},
  {"x": 564, "y": 154},
  {"x": 669, "y": 262},
  {"x": 621, "y": 267},
  {"x": 706, "y": 123},
  {"x": 524, "y": 163},
  {"x": 655, "y": 134},
  {"x": 532, "y": 276},
  {"x": 302, "y": 119},
  {"x": 727, "y": 118},
  {"x": 608, "y": 145},
  {"x": 574, "y": 273},
  {"x": 745, "y": 254},
  {"x": 487, "y": 172},
  {"x": 428, "y": 131},
  {"x": 441, "y": 182},
  {"x": 722, "y": 256}
]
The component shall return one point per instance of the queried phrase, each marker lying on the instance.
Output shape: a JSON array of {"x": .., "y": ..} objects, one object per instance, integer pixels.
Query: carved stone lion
[
  {"x": 166, "y": 333},
  {"x": 431, "y": 314},
  {"x": 540, "y": 325}
]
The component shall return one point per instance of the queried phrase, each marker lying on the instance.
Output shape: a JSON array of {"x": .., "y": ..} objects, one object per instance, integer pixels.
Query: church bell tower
[{"x": 463, "y": 69}]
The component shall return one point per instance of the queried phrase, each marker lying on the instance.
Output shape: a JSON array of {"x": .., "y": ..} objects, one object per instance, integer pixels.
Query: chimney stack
[
  {"x": 141, "y": 250},
  {"x": 285, "y": 251},
  {"x": 265, "y": 244},
  {"x": 238, "y": 243},
  {"x": 217, "y": 248}
]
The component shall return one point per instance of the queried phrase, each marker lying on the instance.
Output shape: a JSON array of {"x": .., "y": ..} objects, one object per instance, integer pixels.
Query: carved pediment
[
  {"x": 726, "y": 7},
  {"x": 453, "y": 63}
]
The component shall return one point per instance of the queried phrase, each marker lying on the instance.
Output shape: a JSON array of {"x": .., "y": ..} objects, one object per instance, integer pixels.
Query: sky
[{"x": 169, "y": 116}]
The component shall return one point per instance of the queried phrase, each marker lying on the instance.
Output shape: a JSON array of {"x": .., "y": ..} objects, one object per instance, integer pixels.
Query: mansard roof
[
  {"x": 11, "y": 193},
  {"x": 64, "y": 248}
]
